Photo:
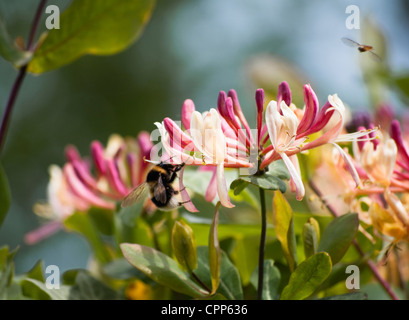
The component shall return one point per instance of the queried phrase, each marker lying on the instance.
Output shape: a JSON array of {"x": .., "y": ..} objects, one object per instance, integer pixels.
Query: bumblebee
[{"x": 159, "y": 184}]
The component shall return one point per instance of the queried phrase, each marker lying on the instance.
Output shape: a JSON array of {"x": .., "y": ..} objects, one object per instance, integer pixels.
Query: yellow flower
[{"x": 138, "y": 290}]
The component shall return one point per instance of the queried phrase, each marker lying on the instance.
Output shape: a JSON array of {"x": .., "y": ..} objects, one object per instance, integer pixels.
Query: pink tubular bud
[
  {"x": 238, "y": 112},
  {"x": 177, "y": 136},
  {"x": 187, "y": 109},
  {"x": 221, "y": 103},
  {"x": 115, "y": 179},
  {"x": 71, "y": 153},
  {"x": 284, "y": 93},
  {"x": 145, "y": 143},
  {"x": 361, "y": 143},
  {"x": 97, "y": 153},
  {"x": 396, "y": 135}
]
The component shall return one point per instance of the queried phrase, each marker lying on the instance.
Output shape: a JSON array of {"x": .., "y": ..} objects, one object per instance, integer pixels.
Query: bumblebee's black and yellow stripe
[{"x": 160, "y": 180}]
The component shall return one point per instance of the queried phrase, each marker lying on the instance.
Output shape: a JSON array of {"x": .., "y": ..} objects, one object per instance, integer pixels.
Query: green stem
[
  {"x": 262, "y": 244},
  {"x": 204, "y": 286}
]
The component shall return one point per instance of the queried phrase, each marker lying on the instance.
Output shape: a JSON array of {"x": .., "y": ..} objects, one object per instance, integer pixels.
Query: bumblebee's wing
[
  {"x": 350, "y": 42},
  {"x": 159, "y": 191},
  {"x": 137, "y": 194}
]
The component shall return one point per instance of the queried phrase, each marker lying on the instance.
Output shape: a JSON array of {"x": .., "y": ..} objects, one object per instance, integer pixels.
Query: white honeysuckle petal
[
  {"x": 350, "y": 165},
  {"x": 222, "y": 190},
  {"x": 300, "y": 190},
  {"x": 115, "y": 141},
  {"x": 187, "y": 202},
  {"x": 290, "y": 120},
  {"x": 271, "y": 116},
  {"x": 338, "y": 106},
  {"x": 197, "y": 130},
  {"x": 56, "y": 189}
]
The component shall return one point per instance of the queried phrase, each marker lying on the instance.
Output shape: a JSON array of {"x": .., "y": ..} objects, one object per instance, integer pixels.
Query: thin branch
[{"x": 20, "y": 77}]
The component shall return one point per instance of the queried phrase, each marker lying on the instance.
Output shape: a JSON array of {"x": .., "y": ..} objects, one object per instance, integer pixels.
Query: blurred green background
[{"x": 189, "y": 49}]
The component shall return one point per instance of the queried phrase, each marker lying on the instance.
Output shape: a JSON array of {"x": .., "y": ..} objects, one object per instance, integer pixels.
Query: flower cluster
[
  {"x": 222, "y": 137},
  {"x": 101, "y": 181},
  {"x": 382, "y": 165}
]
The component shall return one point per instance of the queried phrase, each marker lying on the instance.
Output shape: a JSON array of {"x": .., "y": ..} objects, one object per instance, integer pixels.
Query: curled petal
[
  {"x": 295, "y": 176},
  {"x": 321, "y": 119},
  {"x": 176, "y": 134},
  {"x": 350, "y": 166},
  {"x": 222, "y": 190},
  {"x": 212, "y": 188},
  {"x": 396, "y": 135},
  {"x": 83, "y": 173},
  {"x": 187, "y": 202},
  {"x": 311, "y": 109}
]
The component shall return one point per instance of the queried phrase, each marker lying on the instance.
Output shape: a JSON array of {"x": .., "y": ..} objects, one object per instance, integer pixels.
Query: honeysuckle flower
[
  {"x": 102, "y": 181},
  {"x": 290, "y": 133}
]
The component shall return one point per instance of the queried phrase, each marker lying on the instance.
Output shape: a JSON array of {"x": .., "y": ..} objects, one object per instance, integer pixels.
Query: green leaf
[
  {"x": 36, "y": 272},
  {"x": 6, "y": 270},
  {"x": 307, "y": 277},
  {"x": 37, "y": 290},
  {"x": 102, "y": 27},
  {"x": 9, "y": 50},
  {"x": 279, "y": 170},
  {"x": 81, "y": 222},
  {"x": 215, "y": 253},
  {"x": 271, "y": 281},
  {"x": 338, "y": 235},
  {"x": 230, "y": 285},
  {"x": 5, "y": 196},
  {"x": 88, "y": 288},
  {"x": 265, "y": 181},
  {"x": 238, "y": 186},
  {"x": 103, "y": 219},
  {"x": 311, "y": 237},
  {"x": 162, "y": 269},
  {"x": 284, "y": 227}
]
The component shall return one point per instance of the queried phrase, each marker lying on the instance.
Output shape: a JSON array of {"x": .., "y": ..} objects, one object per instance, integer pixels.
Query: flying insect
[{"x": 361, "y": 47}]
